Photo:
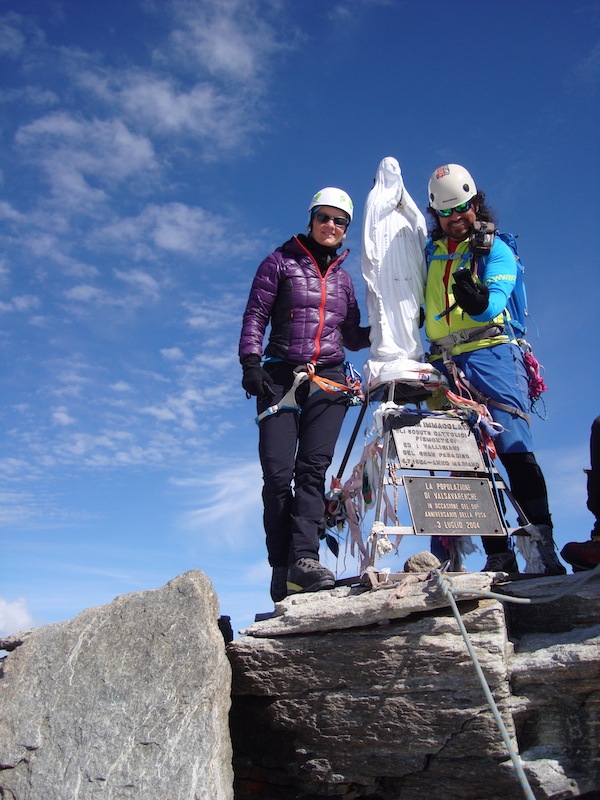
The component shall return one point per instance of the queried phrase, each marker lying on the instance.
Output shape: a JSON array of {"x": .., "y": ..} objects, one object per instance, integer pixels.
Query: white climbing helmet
[
  {"x": 336, "y": 198},
  {"x": 449, "y": 186}
]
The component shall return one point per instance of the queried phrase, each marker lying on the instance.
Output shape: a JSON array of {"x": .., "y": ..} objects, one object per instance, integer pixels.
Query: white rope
[
  {"x": 574, "y": 584},
  {"x": 447, "y": 589},
  {"x": 450, "y": 592}
]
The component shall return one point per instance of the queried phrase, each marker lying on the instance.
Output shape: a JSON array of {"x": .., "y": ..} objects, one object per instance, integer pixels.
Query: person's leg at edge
[
  {"x": 593, "y": 478},
  {"x": 586, "y": 555},
  {"x": 278, "y": 435},
  {"x": 499, "y": 373},
  {"x": 320, "y": 424}
]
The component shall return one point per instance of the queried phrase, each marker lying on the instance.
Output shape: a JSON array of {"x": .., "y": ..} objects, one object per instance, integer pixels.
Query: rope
[
  {"x": 450, "y": 592},
  {"x": 514, "y": 755}
]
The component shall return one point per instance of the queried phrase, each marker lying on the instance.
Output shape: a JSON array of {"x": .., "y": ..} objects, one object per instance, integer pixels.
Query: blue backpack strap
[
  {"x": 430, "y": 255},
  {"x": 429, "y": 250}
]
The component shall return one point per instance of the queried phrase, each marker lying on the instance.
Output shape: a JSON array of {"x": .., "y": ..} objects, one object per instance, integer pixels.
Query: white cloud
[
  {"x": 30, "y": 95},
  {"x": 233, "y": 40},
  {"x": 109, "y": 449},
  {"x": 143, "y": 287},
  {"x": 11, "y": 466},
  {"x": 25, "y": 302},
  {"x": 208, "y": 77},
  {"x": 121, "y": 386},
  {"x": 214, "y": 314},
  {"x": 233, "y": 496},
  {"x": 12, "y": 40},
  {"x": 177, "y": 227},
  {"x": 61, "y": 416},
  {"x": 174, "y": 228},
  {"x": 172, "y": 353},
  {"x": 140, "y": 281},
  {"x": 75, "y": 151},
  {"x": 68, "y": 373},
  {"x": 201, "y": 111},
  {"x": 9, "y": 213},
  {"x": 159, "y": 412},
  {"x": 181, "y": 408},
  {"x": 14, "y": 616},
  {"x": 85, "y": 293}
]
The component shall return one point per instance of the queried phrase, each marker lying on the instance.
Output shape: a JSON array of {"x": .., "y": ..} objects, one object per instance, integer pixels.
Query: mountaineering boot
[
  {"x": 308, "y": 575},
  {"x": 547, "y": 552},
  {"x": 504, "y": 561},
  {"x": 586, "y": 555},
  {"x": 582, "y": 555},
  {"x": 278, "y": 584}
]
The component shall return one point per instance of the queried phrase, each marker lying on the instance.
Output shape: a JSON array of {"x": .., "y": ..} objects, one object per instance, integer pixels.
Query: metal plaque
[
  {"x": 436, "y": 444},
  {"x": 452, "y": 507}
]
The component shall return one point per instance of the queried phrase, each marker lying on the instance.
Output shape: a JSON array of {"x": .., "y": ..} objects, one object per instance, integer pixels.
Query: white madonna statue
[{"x": 394, "y": 268}]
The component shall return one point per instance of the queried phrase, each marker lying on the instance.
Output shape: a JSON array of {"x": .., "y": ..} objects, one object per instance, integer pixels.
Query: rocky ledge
[{"x": 352, "y": 693}]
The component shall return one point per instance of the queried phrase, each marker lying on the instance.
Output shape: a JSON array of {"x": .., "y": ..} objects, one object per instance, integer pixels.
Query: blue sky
[{"x": 152, "y": 153}]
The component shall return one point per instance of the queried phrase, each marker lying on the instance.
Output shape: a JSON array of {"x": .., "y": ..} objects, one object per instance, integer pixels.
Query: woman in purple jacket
[{"x": 307, "y": 297}]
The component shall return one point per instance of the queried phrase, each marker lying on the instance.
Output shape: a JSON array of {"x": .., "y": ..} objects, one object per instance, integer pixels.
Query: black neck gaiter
[{"x": 322, "y": 254}]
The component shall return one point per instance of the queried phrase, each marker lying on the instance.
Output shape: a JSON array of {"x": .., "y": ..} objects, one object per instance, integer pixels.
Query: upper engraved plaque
[{"x": 436, "y": 444}]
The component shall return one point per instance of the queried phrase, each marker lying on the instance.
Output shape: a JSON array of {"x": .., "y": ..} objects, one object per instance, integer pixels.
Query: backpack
[
  {"x": 517, "y": 309},
  {"x": 517, "y": 302}
]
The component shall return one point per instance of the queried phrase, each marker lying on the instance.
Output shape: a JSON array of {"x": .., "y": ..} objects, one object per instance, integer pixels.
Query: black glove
[
  {"x": 471, "y": 297},
  {"x": 256, "y": 380}
]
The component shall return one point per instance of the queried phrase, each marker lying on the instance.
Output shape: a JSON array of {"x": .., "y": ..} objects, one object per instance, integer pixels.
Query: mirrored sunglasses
[{"x": 447, "y": 212}]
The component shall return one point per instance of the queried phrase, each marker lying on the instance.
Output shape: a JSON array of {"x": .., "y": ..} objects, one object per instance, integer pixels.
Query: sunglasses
[
  {"x": 447, "y": 212},
  {"x": 339, "y": 222}
]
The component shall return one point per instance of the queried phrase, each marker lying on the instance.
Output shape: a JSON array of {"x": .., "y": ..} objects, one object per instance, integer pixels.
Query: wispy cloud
[
  {"x": 586, "y": 71},
  {"x": 12, "y": 38},
  {"x": 233, "y": 39},
  {"x": 76, "y": 154},
  {"x": 61, "y": 416},
  {"x": 173, "y": 228},
  {"x": 207, "y": 78},
  {"x": 20, "y": 303},
  {"x": 230, "y": 500}
]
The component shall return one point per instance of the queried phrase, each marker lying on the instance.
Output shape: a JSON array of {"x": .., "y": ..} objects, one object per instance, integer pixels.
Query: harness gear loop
[
  {"x": 465, "y": 336},
  {"x": 460, "y": 379},
  {"x": 443, "y": 347},
  {"x": 288, "y": 400},
  {"x": 307, "y": 372}
]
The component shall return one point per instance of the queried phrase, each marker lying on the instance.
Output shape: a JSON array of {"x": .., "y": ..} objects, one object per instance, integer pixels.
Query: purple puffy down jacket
[{"x": 313, "y": 317}]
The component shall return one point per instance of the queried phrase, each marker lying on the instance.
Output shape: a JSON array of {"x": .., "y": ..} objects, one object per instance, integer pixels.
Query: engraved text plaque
[
  {"x": 437, "y": 444},
  {"x": 452, "y": 507}
]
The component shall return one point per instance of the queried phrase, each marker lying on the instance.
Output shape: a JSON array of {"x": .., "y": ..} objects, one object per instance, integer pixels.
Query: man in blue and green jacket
[{"x": 466, "y": 321}]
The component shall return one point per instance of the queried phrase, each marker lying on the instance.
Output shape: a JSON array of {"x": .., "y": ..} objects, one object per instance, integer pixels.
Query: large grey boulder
[{"x": 128, "y": 701}]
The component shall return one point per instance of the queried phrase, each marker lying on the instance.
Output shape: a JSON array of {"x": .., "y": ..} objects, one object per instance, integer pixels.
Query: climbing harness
[
  {"x": 307, "y": 372},
  {"x": 439, "y": 346},
  {"x": 516, "y": 315},
  {"x": 463, "y": 384}
]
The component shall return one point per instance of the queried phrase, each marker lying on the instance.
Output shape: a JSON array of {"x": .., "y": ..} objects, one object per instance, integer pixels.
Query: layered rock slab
[
  {"x": 386, "y": 710},
  {"x": 388, "y": 706}
]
